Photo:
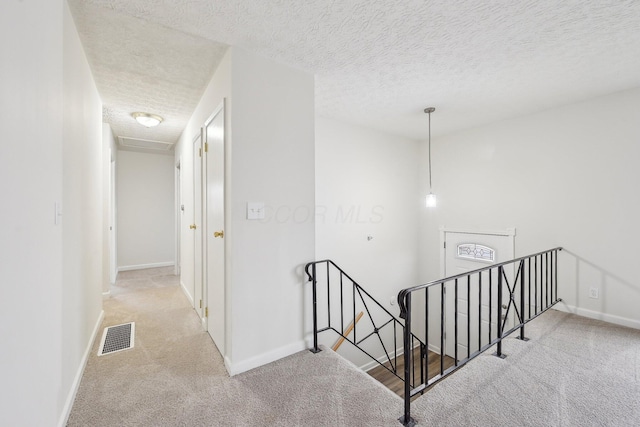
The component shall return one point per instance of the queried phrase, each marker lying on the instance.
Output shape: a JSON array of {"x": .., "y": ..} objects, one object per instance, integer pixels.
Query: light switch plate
[{"x": 255, "y": 210}]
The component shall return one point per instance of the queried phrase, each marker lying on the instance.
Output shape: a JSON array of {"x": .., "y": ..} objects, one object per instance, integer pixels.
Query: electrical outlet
[{"x": 594, "y": 293}]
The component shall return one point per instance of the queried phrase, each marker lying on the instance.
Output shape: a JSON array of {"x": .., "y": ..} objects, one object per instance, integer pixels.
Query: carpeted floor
[
  {"x": 573, "y": 372},
  {"x": 175, "y": 377}
]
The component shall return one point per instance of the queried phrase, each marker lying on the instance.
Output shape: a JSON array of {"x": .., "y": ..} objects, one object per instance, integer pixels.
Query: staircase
[
  {"x": 460, "y": 317},
  {"x": 338, "y": 300}
]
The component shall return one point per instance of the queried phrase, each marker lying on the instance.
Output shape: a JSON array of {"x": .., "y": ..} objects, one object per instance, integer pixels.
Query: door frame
[
  {"x": 113, "y": 242},
  {"x": 220, "y": 341},
  {"x": 179, "y": 210},
  {"x": 511, "y": 232},
  {"x": 510, "y": 254},
  {"x": 198, "y": 214}
]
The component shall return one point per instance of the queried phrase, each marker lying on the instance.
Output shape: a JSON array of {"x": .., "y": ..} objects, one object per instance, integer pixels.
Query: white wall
[
  {"x": 219, "y": 88},
  {"x": 270, "y": 159},
  {"x": 30, "y": 184},
  {"x": 50, "y": 115},
  {"x": 146, "y": 200},
  {"x": 109, "y": 154},
  {"x": 563, "y": 177},
  {"x": 82, "y": 236},
  {"x": 366, "y": 185}
]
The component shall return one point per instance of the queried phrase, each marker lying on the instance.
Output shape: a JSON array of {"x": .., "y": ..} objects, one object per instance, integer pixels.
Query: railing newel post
[
  {"x": 522, "y": 319},
  {"x": 316, "y": 349},
  {"x": 499, "y": 337},
  {"x": 442, "y": 326},
  {"x": 406, "y": 418}
]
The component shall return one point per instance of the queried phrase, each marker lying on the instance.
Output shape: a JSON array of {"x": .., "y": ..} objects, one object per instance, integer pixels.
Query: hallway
[
  {"x": 174, "y": 375},
  {"x": 172, "y": 363}
]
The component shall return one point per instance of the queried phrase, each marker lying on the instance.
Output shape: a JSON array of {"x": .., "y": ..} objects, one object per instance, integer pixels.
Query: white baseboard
[
  {"x": 66, "y": 410},
  {"x": 264, "y": 358},
  {"x": 186, "y": 292},
  {"x": 610, "y": 318},
  {"x": 145, "y": 266},
  {"x": 433, "y": 348}
]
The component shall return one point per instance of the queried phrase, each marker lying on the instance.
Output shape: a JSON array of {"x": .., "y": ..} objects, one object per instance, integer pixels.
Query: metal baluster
[
  {"x": 490, "y": 304},
  {"x": 422, "y": 362},
  {"x": 407, "y": 360},
  {"x": 554, "y": 295},
  {"x": 353, "y": 290},
  {"x": 535, "y": 282},
  {"x": 529, "y": 287},
  {"x": 479, "y": 311},
  {"x": 468, "y": 316},
  {"x": 551, "y": 275},
  {"x": 328, "y": 296},
  {"x": 499, "y": 345},
  {"x": 556, "y": 275},
  {"x": 522, "y": 337},
  {"x": 455, "y": 315},
  {"x": 426, "y": 322},
  {"x": 342, "y": 303},
  {"x": 546, "y": 279},
  {"x": 413, "y": 368},
  {"x": 315, "y": 311},
  {"x": 441, "y": 327},
  {"x": 395, "y": 348}
]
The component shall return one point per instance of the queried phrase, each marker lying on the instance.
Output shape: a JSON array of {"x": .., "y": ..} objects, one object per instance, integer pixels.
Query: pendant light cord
[{"x": 430, "y": 153}]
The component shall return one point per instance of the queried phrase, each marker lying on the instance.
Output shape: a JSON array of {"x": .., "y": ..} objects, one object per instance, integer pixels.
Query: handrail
[
  {"x": 347, "y": 331},
  {"x": 355, "y": 294},
  {"x": 403, "y": 292},
  {"x": 541, "y": 293}
]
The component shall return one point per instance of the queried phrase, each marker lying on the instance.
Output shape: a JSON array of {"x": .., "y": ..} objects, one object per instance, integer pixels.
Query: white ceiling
[{"x": 378, "y": 63}]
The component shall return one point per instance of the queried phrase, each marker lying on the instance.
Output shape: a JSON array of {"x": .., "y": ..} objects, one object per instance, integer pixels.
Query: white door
[
  {"x": 214, "y": 134},
  {"x": 197, "y": 228},
  {"x": 476, "y": 307},
  {"x": 113, "y": 265},
  {"x": 179, "y": 212}
]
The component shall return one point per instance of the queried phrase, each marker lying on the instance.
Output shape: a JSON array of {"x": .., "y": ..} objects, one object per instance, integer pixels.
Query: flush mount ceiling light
[
  {"x": 431, "y": 198},
  {"x": 146, "y": 119}
]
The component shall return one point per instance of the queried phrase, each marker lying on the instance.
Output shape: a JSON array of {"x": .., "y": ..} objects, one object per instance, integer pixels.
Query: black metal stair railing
[
  {"x": 479, "y": 308},
  {"x": 336, "y": 300}
]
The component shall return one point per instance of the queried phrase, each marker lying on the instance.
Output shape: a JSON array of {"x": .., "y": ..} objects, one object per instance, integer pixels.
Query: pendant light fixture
[{"x": 431, "y": 198}]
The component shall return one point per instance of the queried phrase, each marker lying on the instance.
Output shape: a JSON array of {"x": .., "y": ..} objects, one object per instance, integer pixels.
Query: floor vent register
[{"x": 117, "y": 338}]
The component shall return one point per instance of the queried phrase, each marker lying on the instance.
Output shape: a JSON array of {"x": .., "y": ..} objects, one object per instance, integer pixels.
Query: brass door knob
[
  {"x": 218, "y": 234},
  {"x": 192, "y": 227}
]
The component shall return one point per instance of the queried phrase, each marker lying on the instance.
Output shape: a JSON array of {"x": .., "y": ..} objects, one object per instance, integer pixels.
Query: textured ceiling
[
  {"x": 143, "y": 66},
  {"x": 377, "y": 62}
]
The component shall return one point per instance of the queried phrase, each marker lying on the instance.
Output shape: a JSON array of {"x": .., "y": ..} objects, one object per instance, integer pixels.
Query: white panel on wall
[
  {"x": 272, "y": 161},
  {"x": 564, "y": 177},
  {"x": 83, "y": 205},
  {"x": 145, "y": 198},
  {"x": 269, "y": 123},
  {"x": 367, "y": 206},
  {"x": 31, "y": 108},
  {"x": 50, "y": 112}
]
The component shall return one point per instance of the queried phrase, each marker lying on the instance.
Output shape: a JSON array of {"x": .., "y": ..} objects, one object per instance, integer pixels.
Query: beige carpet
[
  {"x": 573, "y": 372},
  {"x": 175, "y": 377}
]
